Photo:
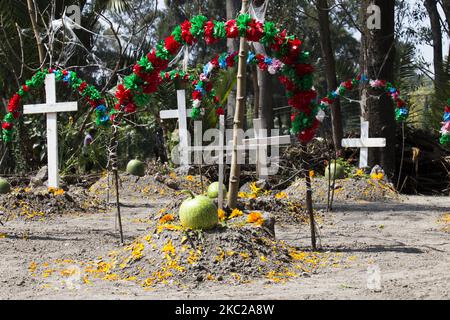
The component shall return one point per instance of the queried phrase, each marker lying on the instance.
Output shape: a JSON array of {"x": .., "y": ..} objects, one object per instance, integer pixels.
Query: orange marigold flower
[
  {"x": 256, "y": 218},
  {"x": 168, "y": 217}
]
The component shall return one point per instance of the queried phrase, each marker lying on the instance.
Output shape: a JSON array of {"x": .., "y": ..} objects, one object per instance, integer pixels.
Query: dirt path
[{"x": 403, "y": 239}]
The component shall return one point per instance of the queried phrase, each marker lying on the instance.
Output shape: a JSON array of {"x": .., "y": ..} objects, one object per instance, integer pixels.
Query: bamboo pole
[
  {"x": 238, "y": 117},
  {"x": 33, "y": 17}
]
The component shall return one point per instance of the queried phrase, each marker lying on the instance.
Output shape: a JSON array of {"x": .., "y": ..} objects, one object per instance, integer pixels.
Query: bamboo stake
[{"x": 238, "y": 117}]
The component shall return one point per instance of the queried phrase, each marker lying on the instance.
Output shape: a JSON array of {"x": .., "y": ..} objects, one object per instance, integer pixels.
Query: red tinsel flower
[
  {"x": 400, "y": 103},
  {"x": 220, "y": 111},
  {"x": 230, "y": 61},
  {"x": 93, "y": 103},
  {"x": 186, "y": 34},
  {"x": 152, "y": 84},
  {"x": 279, "y": 40},
  {"x": 208, "y": 87},
  {"x": 50, "y": 70},
  {"x": 288, "y": 84},
  {"x": 255, "y": 31},
  {"x": 65, "y": 72},
  {"x": 303, "y": 69},
  {"x": 16, "y": 114},
  {"x": 348, "y": 85},
  {"x": 209, "y": 33},
  {"x": 306, "y": 135},
  {"x": 215, "y": 61},
  {"x": 130, "y": 107},
  {"x": 294, "y": 47},
  {"x": 290, "y": 59},
  {"x": 447, "y": 109},
  {"x": 172, "y": 45},
  {"x": 83, "y": 86},
  {"x": 137, "y": 69},
  {"x": 157, "y": 63},
  {"x": 7, "y": 126},
  {"x": 216, "y": 99},
  {"x": 327, "y": 100},
  {"x": 302, "y": 100},
  {"x": 197, "y": 95},
  {"x": 122, "y": 94},
  {"x": 25, "y": 88},
  {"x": 14, "y": 103},
  {"x": 232, "y": 29}
]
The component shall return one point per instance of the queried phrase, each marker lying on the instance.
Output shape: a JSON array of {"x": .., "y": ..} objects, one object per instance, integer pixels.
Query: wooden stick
[
  {"x": 309, "y": 206},
  {"x": 235, "y": 171}
]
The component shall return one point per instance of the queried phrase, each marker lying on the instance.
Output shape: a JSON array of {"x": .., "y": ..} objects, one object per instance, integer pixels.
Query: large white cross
[
  {"x": 364, "y": 143},
  {"x": 51, "y": 108},
  {"x": 181, "y": 114}
]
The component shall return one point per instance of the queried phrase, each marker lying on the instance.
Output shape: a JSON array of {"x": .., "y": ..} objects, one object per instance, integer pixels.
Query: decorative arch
[
  {"x": 296, "y": 73},
  {"x": 69, "y": 78}
]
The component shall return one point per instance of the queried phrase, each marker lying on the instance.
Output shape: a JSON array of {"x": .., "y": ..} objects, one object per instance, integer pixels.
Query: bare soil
[{"x": 407, "y": 239}]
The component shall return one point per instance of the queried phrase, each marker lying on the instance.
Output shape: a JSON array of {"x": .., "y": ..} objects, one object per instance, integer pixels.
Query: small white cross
[
  {"x": 51, "y": 108},
  {"x": 364, "y": 143}
]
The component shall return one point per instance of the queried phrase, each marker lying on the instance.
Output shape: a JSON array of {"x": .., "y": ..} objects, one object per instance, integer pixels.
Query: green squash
[
  {"x": 336, "y": 169},
  {"x": 5, "y": 187},
  {"x": 136, "y": 168},
  {"x": 198, "y": 213},
  {"x": 213, "y": 190}
]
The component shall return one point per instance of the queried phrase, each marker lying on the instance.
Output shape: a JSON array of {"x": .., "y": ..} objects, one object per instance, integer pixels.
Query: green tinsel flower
[
  {"x": 131, "y": 82},
  {"x": 270, "y": 31},
  {"x": 141, "y": 100},
  {"x": 220, "y": 32},
  {"x": 195, "y": 113},
  {"x": 445, "y": 139},
  {"x": 197, "y": 26},
  {"x": 145, "y": 64},
  {"x": 162, "y": 52},
  {"x": 176, "y": 33},
  {"x": 242, "y": 22},
  {"x": 9, "y": 117}
]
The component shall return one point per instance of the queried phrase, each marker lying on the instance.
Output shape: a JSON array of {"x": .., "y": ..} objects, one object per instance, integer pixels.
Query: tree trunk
[
  {"x": 232, "y": 46},
  {"x": 378, "y": 53},
  {"x": 255, "y": 92},
  {"x": 438, "y": 59},
  {"x": 330, "y": 70},
  {"x": 33, "y": 18},
  {"x": 238, "y": 117},
  {"x": 265, "y": 99}
]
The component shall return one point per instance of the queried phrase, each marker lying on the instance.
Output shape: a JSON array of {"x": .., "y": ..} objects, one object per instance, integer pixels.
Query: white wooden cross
[
  {"x": 364, "y": 143},
  {"x": 181, "y": 114},
  {"x": 51, "y": 108}
]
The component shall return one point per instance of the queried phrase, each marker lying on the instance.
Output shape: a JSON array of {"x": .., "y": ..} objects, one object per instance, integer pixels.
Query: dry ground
[{"x": 403, "y": 238}]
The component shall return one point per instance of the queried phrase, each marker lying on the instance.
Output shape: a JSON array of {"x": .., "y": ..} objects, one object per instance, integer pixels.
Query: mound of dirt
[
  {"x": 38, "y": 203},
  {"x": 345, "y": 190},
  {"x": 241, "y": 249},
  {"x": 148, "y": 187}
]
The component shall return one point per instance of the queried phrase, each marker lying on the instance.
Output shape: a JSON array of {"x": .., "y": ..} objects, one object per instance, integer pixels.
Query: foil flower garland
[
  {"x": 401, "y": 111},
  {"x": 70, "y": 79}
]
